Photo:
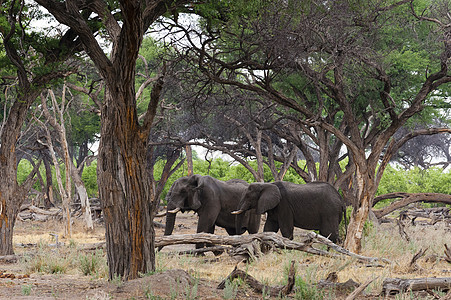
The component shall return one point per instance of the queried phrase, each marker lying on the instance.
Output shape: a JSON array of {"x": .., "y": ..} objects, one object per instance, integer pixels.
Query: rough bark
[{"x": 125, "y": 190}]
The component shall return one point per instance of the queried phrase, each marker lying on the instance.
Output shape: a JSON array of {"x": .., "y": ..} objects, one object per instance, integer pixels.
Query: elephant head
[
  {"x": 259, "y": 196},
  {"x": 184, "y": 195}
]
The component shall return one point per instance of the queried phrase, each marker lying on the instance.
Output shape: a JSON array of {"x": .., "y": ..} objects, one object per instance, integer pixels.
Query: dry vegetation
[{"x": 58, "y": 272}]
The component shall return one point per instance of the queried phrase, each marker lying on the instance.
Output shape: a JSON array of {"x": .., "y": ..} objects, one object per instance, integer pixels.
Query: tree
[
  {"x": 424, "y": 151},
  {"x": 124, "y": 185},
  {"x": 29, "y": 62},
  {"x": 335, "y": 63}
]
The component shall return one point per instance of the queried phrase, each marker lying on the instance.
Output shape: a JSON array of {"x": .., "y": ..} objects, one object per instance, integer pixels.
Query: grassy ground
[{"x": 68, "y": 272}]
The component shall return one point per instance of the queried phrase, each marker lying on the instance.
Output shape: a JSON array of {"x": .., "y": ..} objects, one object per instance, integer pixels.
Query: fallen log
[
  {"x": 93, "y": 246},
  {"x": 266, "y": 238},
  {"x": 9, "y": 259},
  {"x": 40, "y": 211},
  {"x": 331, "y": 282},
  {"x": 278, "y": 291},
  {"x": 393, "y": 286}
]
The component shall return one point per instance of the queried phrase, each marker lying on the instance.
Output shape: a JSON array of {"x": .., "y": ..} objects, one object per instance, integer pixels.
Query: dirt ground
[{"x": 171, "y": 281}]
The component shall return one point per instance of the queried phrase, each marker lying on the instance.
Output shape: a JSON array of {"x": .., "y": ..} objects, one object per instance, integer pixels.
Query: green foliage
[
  {"x": 23, "y": 170},
  {"x": 89, "y": 178},
  {"x": 305, "y": 290},
  {"x": 26, "y": 289},
  {"x": 415, "y": 180}
]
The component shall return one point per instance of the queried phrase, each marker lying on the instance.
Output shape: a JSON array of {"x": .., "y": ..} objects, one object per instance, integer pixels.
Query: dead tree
[{"x": 267, "y": 239}]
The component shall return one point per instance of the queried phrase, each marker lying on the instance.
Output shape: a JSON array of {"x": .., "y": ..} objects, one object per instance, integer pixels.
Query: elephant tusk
[
  {"x": 174, "y": 211},
  {"x": 237, "y": 212},
  {"x": 162, "y": 214}
]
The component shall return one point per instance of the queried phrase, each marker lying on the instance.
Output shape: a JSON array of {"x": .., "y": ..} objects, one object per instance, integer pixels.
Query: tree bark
[
  {"x": 189, "y": 160},
  {"x": 11, "y": 194},
  {"x": 393, "y": 286},
  {"x": 124, "y": 186},
  {"x": 360, "y": 212}
]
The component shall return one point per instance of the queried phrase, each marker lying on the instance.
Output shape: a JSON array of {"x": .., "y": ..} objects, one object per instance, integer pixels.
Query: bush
[{"x": 91, "y": 264}]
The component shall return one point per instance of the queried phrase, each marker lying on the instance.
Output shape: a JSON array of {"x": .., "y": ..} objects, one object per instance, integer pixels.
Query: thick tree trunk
[{"x": 125, "y": 189}]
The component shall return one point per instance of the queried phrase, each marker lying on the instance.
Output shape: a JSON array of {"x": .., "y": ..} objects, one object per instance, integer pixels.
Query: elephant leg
[
  {"x": 330, "y": 232},
  {"x": 254, "y": 224},
  {"x": 206, "y": 225},
  {"x": 271, "y": 224},
  {"x": 231, "y": 231},
  {"x": 286, "y": 224}
]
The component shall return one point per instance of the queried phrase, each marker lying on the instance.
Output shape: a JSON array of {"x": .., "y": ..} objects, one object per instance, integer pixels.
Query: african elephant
[
  {"x": 314, "y": 206},
  {"x": 213, "y": 200}
]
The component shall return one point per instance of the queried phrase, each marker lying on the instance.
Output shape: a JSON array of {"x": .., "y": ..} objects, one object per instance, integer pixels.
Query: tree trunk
[
  {"x": 48, "y": 201},
  {"x": 83, "y": 195},
  {"x": 11, "y": 194},
  {"x": 360, "y": 212},
  {"x": 8, "y": 214},
  {"x": 124, "y": 187},
  {"x": 189, "y": 160}
]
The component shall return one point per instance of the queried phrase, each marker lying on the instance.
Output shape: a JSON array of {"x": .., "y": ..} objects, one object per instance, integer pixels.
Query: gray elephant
[
  {"x": 314, "y": 206},
  {"x": 213, "y": 200}
]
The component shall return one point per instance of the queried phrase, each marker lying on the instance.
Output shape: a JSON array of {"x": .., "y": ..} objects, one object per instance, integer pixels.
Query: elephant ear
[
  {"x": 269, "y": 198},
  {"x": 195, "y": 183}
]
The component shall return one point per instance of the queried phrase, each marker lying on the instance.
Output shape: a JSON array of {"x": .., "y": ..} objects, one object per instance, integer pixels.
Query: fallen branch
[
  {"x": 93, "y": 246},
  {"x": 266, "y": 238},
  {"x": 331, "y": 282},
  {"x": 44, "y": 212},
  {"x": 393, "y": 286},
  {"x": 258, "y": 287},
  {"x": 413, "y": 263},
  {"x": 10, "y": 259},
  {"x": 216, "y": 249},
  {"x": 447, "y": 253},
  {"x": 406, "y": 199},
  {"x": 359, "y": 290}
]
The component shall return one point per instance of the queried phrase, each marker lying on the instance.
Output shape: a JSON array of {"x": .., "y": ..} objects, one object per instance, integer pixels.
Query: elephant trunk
[
  {"x": 170, "y": 221},
  {"x": 239, "y": 221}
]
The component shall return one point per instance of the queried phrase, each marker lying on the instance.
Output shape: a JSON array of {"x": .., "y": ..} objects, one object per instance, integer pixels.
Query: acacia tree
[
  {"x": 124, "y": 186},
  {"x": 347, "y": 55},
  {"x": 240, "y": 125},
  {"x": 30, "y": 61}
]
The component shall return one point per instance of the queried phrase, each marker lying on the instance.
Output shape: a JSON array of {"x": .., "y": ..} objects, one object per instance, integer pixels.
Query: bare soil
[{"x": 185, "y": 277}]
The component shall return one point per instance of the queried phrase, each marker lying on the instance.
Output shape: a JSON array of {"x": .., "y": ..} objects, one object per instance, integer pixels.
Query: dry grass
[{"x": 381, "y": 241}]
